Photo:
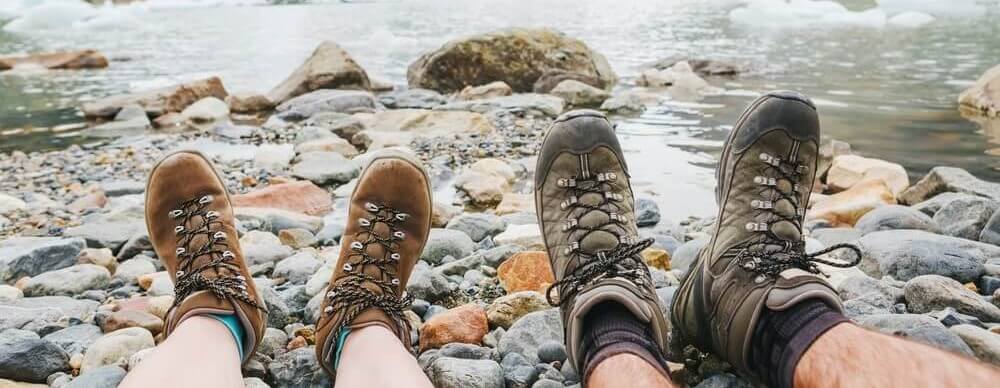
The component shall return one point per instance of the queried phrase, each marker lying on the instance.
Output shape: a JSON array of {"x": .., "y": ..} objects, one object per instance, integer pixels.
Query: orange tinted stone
[
  {"x": 300, "y": 197},
  {"x": 465, "y": 324},
  {"x": 526, "y": 271}
]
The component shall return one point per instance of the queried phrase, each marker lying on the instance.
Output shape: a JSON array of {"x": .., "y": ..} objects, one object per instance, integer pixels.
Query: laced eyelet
[
  {"x": 765, "y": 181},
  {"x": 176, "y": 213},
  {"x": 179, "y": 273},
  {"x": 241, "y": 278},
  {"x": 371, "y": 207},
  {"x": 178, "y": 229},
  {"x": 759, "y": 279},
  {"x": 566, "y": 182},
  {"x": 212, "y": 215},
  {"x": 774, "y": 161},
  {"x": 330, "y": 294},
  {"x": 357, "y": 245},
  {"x": 570, "y": 224},
  {"x": 568, "y": 202},
  {"x": 617, "y": 217},
  {"x": 402, "y": 217},
  {"x": 219, "y": 235},
  {"x": 364, "y": 222},
  {"x": 399, "y": 234},
  {"x": 761, "y": 204},
  {"x": 613, "y": 196},
  {"x": 205, "y": 200},
  {"x": 395, "y": 256},
  {"x": 607, "y": 177},
  {"x": 228, "y": 255},
  {"x": 180, "y": 251},
  {"x": 572, "y": 247},
  {"x": 756, "y": 226},
  {"x": 328, "y": 310},
  {"x": 348, "y": 267},
  {"x": 395, "y": 282}
]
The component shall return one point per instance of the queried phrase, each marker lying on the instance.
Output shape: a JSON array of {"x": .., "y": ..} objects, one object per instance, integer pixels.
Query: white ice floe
[
  {"x": 804, "y": 13},
  {"x": 911, "y": 19},
  {"x": 52, "y": 15}
]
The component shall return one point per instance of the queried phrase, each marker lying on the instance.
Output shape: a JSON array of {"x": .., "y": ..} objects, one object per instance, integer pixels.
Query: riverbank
[{"x": 85, "y": 296}]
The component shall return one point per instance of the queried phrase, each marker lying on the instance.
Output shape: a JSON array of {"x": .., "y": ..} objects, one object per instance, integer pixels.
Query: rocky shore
[{"x": 82, "y": 295}]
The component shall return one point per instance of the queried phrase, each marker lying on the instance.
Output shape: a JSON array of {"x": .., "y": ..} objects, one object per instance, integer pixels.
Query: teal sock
[
  {"x": 233, "y": 324},
  {"x": 341, "y": 338}
]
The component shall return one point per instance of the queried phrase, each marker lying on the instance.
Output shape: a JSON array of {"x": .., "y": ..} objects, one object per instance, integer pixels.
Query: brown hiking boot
[
  {"x": 756, "y": 258},
  {"x": 191, "y": 227},
  {"x": 586, "y": 212},
  {"x": 388, "y": 222}
]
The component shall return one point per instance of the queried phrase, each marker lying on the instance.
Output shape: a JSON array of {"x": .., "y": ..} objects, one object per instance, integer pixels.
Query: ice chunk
[
  {"x": 51, "y": 15},
  {"x": 911, "y": 19},
  {"x": 804, "y": 13}
]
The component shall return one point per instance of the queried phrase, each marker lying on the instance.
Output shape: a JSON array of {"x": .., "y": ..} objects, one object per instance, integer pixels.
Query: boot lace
[
  {"x": 769, "y": 254},
  {"x": 350, "y": 293},
  {"x": 193, "y": 220},
  {"x": 623, "y": 261}
]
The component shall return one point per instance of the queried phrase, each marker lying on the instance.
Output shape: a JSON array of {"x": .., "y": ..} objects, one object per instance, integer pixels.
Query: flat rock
[
  {"x": 158, "y": 102},
  {"x": 490, "y": 90},
  {"x": 104, "y": 377},
  {"x": 527, "y": 236},
  {"x": 527, "y": 334},
  {"x": 983, "y": 97},
  {"x": 112, "y": 229},
  {"x": 75, "y": 339},
  {"x": 298, "y": 368},
  {"x": 275, "y": 220},
  {"x": 450, "y": 372},
  {"x": 847, "y": 207},
  {"x": 63, "y": 60},
  {"x": 68, "y": 281},
  {"x": 132, "y": 318},
  {"x": 427, "y": 284},
  {"x": 446, "y": 242},
  {"x": 249, "y": 103},
  {"x": 528, "y": 103},
  {"x": 325, "y": 168},
  {"x": 833, "y": 236},
  {"x": 985, "y": 345},
  {"x": 399, "y": 127},
  {"x": 916, "y": 327},
  {"x": 26, "y": 357},
  {"x": 206, "y": 110},
  {"x": 965, "y": 217},
  {"x": 412, "y": 99},
  {"x": 580, "y": 95},
  {"x": 478, "y": 225},
  {"x": 849, "y": 170},
  {"x": 906, "y": 254},
  {"x": 526, "y": 271},
  {"x": 37, "y": 312},
  {"x": 927, "y": 293},
  {"x": 30, "y": 256},
  {"x": 949, "y": 179},
  {"x": 298, "y": 268},
  {"x": 464, "y": 324},
  {"x": 115, "y": 347}
]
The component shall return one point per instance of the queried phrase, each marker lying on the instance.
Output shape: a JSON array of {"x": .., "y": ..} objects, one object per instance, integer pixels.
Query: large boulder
[
  {"x": 928, "y": 293},
  {"x": 983, "y": 97},
  {"x": 848, "y": 170},
  {"x": 906, "y": 254},
  {"x": 329, "y": 67},
  {"x": 71, "y": 60},
  {"x": 516, "y": 56},
  {"x": 30, "y": 256},
  {"x": 949, "y": 179},
  {"x": 159, "y": 101}
]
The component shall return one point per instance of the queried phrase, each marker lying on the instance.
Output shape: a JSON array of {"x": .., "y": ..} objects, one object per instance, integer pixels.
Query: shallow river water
[{"x": 889, "y": 91}]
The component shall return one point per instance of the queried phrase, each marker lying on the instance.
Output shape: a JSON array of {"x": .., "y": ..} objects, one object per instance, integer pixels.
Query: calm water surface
[{"x": 890, "y": 92}]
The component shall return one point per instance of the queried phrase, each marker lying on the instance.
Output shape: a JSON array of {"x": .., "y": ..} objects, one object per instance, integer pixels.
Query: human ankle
[
  {"x": 610, "y": 330},
  {"x": 781, "y": 338}
]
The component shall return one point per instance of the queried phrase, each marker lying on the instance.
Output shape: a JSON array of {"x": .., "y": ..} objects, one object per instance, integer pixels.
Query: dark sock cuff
[
  {"x": 782, "y": 337},
  {"x": 611, "y": 329}
]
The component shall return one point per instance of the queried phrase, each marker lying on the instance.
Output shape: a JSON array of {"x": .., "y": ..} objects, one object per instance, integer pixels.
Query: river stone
[
  {"x": 412, "y": 99},
  {"x": 895, "y": 217},
  {"x": 949, "y": 179},
  {"x": 254, "y": 382},
  {"x": 686, "y": 255},
  {"x": 991, "y": 231},
  {"x": 263, "y": 247},
  {"x": 26, "y": 357},
  {"x": 38, "y": 312},
  {"x": 906, "y": 254},
  {"x": 625, "y": 104},
  {"x": 478, "y": 225},
  {"x": 206, "y": 110},
  {"x": 949, "y": 317},
  {"x": 551, "y": 352},
  {"x": 298, "y": 368},
  {"x": 856, "y": 286},
  {"x": 833, "y": 236},
  {"x": 932, "y": 292},
  {"x": 116, "y": 346},
  {"x": 31, "y": 256},
  {"x": 508, "y": 309},
  {"x": 130, "y": 270},
  {"x": 450, "y": 372},
  {"x": 325, "y": 168},
  {"x": 492, "y": 89},
  {"x": 724, "y": 380},
  {"x": 104, "y": 377},
  {"x": 579, "y": 95},
  {"x": 275, "y": 220},
  {"x": 329, "y": 67},
  {"x": 868, "y": 304},
  {"x": 983, "y": 97},
  {"x": 916, "y": 327},
  {"x": 341, "y": 101},
  {"x": 427, "y": 284},
  {"x": 298, "y": 268},
  {"x": 965, "y": 217},
  {"x": 531, "y": 331},
  {"x": 647, "y": 212},
  {"x": 113, "y": 229},
  {"x": 517, "y": 56},
  {"x": 529, "y": 103},
  {"x": 75, "y": 339},
  {"x": 446, "y": 242},
  {"x": 9, "y": 204},
  {"x": 158, "y": 102},
  {"x": 68, "y": 281},
  {"x": 984, "y": 344}
]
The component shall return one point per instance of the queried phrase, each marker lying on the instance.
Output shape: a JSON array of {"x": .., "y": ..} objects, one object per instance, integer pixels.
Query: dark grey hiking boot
[
  {"x": 586, "y": 213},
  {"x": 756, "y": 258}
]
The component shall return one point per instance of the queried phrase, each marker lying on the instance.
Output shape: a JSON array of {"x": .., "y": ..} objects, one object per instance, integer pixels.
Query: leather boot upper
[
  {"x": 586, "y": 212},
  {"x": 388, "y": 223},
  {"x": 191, "y": 226},
  {"x": 756, "y": 258}
]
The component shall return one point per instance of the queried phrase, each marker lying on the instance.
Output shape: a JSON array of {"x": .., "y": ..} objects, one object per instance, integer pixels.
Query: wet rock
[
  {"x": 551, "y": 352},
  {"x": 507, "y": 309},
  {"x": 68, "y": 60},
  {"x": 647, "y": 212},
  {"x": 104, "y": 377},
  {"x": 478, "y": 225},
  {"x": 30, "y": 256},
  {"x": 891, "y": 217},
  {"x": 249, "y": 103},
  {"x": 298, "y": 268},
  {"x": 580, "y": 95},
  {"x": 686, "y": 255},
  {"x": 115, "y": 347},
  {"x": 75, "y": 339},
  {"x": 846, "y": 207},
  {"x": 449, "y": 372},
  {"x": 916, "y": 327},
  {"x": 38, "y": 312},
  {"x": 527, "y": 103},
  {"x": 112, "y": 229},
  {"x": 528, "y": 237},
  {"x": 516, "y": 56},
  {"x": 329, "y": 67},
  {"x": 446, "y": 242},
  {"x": 132, "y": 318},
  {"x": 626, "y": 103},
  {"x": 849, "y": 170},
  {"x": 526, "y": 271},
  {"x": 298, "y": 368},
  {"x": 26, "y": 357},
  {"x": 656, "y": 258},
  {"x": 427, "y": 284},
  {"x": 527, "y": 334},
  {"x": 68, "y": 281},
  {"x": 985, "y": 345},
  {"x": 206, "y": 110},
  {"x": 325, "y": 168},
  {"x": 326, "y": 100},
  {"x": 465, "y": 324},
  {"x": 949, "y": 179},
  {"x": 983, "y": 97},
  {"x": 704, "y": 67},
  {"x": 906, "y": 254},
  {"x": 300, "y": 196},
  {"x": 932, "y": 292},
  {"x": 965, "y": 217},
  {"x": 490, "y": 90},
  {"x": 412, "y": 99},
  {"x": 159, "y": 101}
]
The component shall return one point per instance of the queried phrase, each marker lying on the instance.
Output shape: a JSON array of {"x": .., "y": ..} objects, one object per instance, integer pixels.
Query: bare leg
[
  {"x": 626, "y": 370},
  {"x": 201, "y": 352},
  {"x": 373, "y": 357},
  {"x": 850, "y": 356}
]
